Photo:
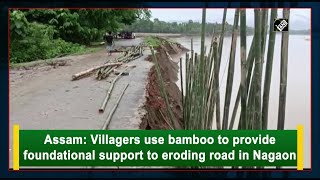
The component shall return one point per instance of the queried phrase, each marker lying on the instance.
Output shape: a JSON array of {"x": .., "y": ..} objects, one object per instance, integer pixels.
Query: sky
[{"x": 299, "y": 18}]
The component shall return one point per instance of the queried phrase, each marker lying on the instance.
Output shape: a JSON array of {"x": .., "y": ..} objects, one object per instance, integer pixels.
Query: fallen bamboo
[
  {"x": 106, "y": 124},
  {"x": 107, "y": 73},
  {"x": 101, "y": 73},
  {"x": 163, "y": 92},
  {"x": 87, "y": 72},
  {"x": 165, "y": 120},
  {"x": 103, "y": 106}
]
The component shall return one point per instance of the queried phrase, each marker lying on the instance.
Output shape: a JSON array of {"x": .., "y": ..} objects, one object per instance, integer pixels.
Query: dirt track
[{"x": 46, "y": 98}]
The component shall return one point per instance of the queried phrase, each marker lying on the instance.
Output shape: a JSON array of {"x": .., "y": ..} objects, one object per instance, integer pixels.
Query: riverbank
[
  {"x": 158, "y": 34},
  {"x": 156, "y": 117}
]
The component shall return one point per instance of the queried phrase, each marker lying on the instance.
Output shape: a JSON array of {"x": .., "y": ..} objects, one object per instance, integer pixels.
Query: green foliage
[
  {"x": 18, "y": 24},
  {"x": 84, "y": 26},
  {"x": 40, "y": 34},
  {"x": 39, "y": 44},
  {"x": 152, "y": 41},
  {"x": 190, "y": 27}
]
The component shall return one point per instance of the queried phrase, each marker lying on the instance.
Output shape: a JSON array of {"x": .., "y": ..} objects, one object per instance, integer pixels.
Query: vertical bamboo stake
[
  {"x": 258, "y": 70},
  {"x": 201, "y": 71},
  {"x": 243, "y": 52},
  {"x": 218, "y": 122},
  {"x": 267, "y": 80},
  {"x": 264, "y": 31},
  {"x": 284, "y": 71},
  {"x": 212, "y": 88},
  {"x": 230, "y": 71},
  {"x": 186, "y": 99},
  {"x": 249, "y": 63},
  {"x": 194, "y": 93},
  {"x": 181, "y": 82},
  {"x": 249, "y": 66}
]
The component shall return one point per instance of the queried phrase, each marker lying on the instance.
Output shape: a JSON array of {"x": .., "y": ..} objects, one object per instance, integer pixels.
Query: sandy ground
[{"x": 46, "y": 98}]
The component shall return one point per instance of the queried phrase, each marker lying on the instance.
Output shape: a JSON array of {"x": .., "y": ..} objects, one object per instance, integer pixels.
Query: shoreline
[
  {"x": 157, "y": 116},
  {"x": 176, "y": 35}
]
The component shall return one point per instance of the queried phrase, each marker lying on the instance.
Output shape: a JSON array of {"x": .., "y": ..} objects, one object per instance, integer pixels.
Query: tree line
[
  {"x": 188, "y": 28},
  {"x": 41, "y": 34}
]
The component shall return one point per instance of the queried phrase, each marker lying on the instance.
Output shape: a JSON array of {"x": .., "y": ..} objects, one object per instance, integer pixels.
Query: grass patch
[
  {"x": 86, "y": 50},
  {"x": 152, "y": 41}
]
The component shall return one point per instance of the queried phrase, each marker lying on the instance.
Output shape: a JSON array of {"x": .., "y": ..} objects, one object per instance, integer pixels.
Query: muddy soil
[{"x": 157, "y": 116}]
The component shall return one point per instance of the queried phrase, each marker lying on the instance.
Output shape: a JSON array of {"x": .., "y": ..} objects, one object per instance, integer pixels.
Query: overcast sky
[{"x": 299, "y": 18}]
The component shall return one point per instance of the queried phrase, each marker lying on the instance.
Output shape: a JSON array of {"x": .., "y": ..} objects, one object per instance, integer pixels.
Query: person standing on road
[{"x": 108, "y": 38}]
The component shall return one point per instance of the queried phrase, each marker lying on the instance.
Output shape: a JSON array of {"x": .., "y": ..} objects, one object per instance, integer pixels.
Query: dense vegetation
[
  {"x": 190, "y": 27},
  {"x": 187, "y": 28},
  {"x": 42, "y": 34}
]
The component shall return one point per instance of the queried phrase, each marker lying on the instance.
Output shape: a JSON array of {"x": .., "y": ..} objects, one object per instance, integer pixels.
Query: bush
[
  {"x": 152, "y": 41},
  {"x": 39, "y": 44}
]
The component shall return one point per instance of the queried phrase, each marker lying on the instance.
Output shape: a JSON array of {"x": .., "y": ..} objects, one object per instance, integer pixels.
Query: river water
[{"x": 298, "y": 106}]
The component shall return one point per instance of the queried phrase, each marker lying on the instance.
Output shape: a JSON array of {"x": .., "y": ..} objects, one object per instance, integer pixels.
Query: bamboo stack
[
  {"x": 103, "y": 71},
  {"x": 130, "y": 54}
]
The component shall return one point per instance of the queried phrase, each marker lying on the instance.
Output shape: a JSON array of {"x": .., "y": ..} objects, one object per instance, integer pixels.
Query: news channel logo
[{"x": 281, "y": 25}]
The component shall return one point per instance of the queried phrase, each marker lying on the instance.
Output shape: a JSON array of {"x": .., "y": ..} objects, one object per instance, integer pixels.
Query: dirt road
[{"x": 46, "y": 98}]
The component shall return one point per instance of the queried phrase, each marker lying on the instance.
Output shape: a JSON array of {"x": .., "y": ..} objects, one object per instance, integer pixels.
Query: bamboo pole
[
  {"x": 201, "y": 89},
  {"x": 104, "y": 103},
  {"x": 267, "y": 80},
  {"x": 212, "y": 88},
  {"x": 189, "y": 84},
  {"x": 284, "y": 71},
  {"x": 106, "y": 124},
  {"x": 249, "y": 63},
  {"x": 251, "y": 107},
  {"x": 102, "y": 74},
  {"x": 243, "y": 52},
  {"x": 181, "y": 82},
  {"x": 222, "y": 33},
  {"x": 164, "y": 93},
  {"x": 193, "y": 116},
  {"x": 189, "y": 96},
  {"x": 217, "y": 70},
  {"x": 265, "y": 13},
  {"x": 209, "y": 83},
  {"x": 186, "y": 97},
  {"x": 164, "y": 118},
  {"x": 230, "y": 71},
  {"x": 258, "y": 70},
  {"x": 87, "y": 72}
]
